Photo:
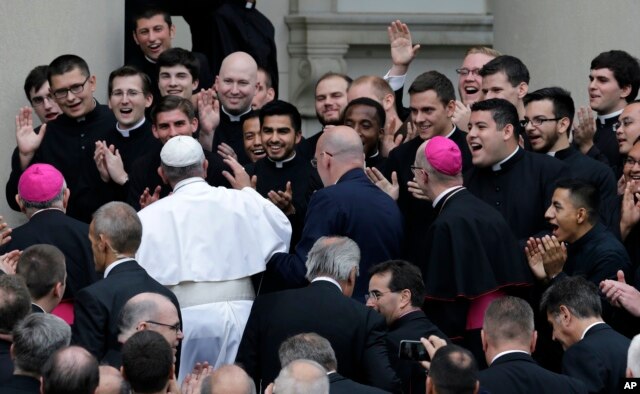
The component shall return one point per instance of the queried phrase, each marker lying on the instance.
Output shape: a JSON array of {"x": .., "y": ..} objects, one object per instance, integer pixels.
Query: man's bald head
[
  {"x": 237, "y": 82},
  {"x": 111, "y": 381},
  {"x": 228, "y": 379},
  {"x": 302, "y": 376},
  {"x": 339, "y": 150}
]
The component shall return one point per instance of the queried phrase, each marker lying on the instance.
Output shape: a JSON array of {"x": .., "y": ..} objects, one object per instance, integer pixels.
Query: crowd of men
[{"x": 187, "y": 237}]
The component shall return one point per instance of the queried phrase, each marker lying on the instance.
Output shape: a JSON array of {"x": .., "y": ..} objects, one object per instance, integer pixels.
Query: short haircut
[
  {"x": 483, "y": 50},
  {"x": 147, "y": 361},
  {"x": 279, "y": 107},
  {"x": 332, "y": 74},
  {"x": 35, "y": 79},
  {"x": 36, "y": 205},
  {"x": 180, "y": 57},
  {"x": 502, "y": 112},
  {"x": 624, "y": 67},
  {"x": 583, "y": 194},
  {"x": 135, "y": 310},
  {"x": 148, "y": 13},
  {"x": 563, "y": 106},
  {"x": 170, "y": 103},
  {"x": 310, "y": 346},
  {"x": 509, "y": 319},
  {"x": 120, "y": 223},
  {"x": 438, "y": 82},
  {"x": 379, "y": 86},
  {"x": 71, "y": 370},
  {"x": 250, "y": 115},
  {"x": 381, "y": 116},
  {"x": 290, "y": 381},
  {"x": 633, "y": 356},
  {"x": 333, "y": 256},
  {"x": 36, "y": 338},
  {"x": 15, "y": 302},
  {"x": 42, "y": 266},
  {"x": 577, "y": 294},
  {"x": 226, "y": 376},
  {"x": 267, "y": 77},
  {"x": 511, "y": 66},
  {"x": 130, "y": 71},
  {"x": 404, "y": 275},
  {"x": 454, "y": 370},
  {"x": 176, "y": 174},
  {"x": 67, "y": 63}
]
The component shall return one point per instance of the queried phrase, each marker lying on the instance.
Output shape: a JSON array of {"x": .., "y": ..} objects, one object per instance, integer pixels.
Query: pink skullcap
[
  {"x": 443, "y": 155},
  {"x": 40, "y": 183}
]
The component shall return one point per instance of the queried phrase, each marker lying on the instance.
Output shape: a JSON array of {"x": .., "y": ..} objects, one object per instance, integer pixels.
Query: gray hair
[
  {"x": 36, "y": 338},
  {"x": 37, "y": 205},
  {"x": 439, "y": 177},
  {"x": 633, "y": 356},
  {"x": 302, "y": 376},
  {"x": 310, "y": 346},
  {"x": 333, "y": 256},
  {"x": 120, "y": 223},
  {"x": 225, "y": 377},
  {"x": 135, "y": 310},
  {"x": 509, "y": 319},
  {"x": 176, "y": 174}
]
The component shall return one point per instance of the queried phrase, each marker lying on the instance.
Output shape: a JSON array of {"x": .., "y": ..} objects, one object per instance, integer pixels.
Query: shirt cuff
[{"x": 395, "y": 81}]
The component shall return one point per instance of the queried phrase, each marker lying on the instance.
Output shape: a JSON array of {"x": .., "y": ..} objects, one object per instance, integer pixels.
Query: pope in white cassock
[{"x": 204, "y": 243}]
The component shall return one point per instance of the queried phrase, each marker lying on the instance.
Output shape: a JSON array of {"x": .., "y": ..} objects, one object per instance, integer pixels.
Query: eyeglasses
[
  {"x": 630, "y": 161},
  {"x": 376, "y": 295},
  {"x": 75, "y": 89},
  {"x": 465, "y": 71},
  {"x": 129, "y": 93},
  {"x": 537, "y": 121},
  {"x": 175, "y": 327},
  {"x": 314, "y": 161},
  {"x": 625, "y": 122},
  {"x": 37, "y": 101},
  {"x": 416, "y": 169}
]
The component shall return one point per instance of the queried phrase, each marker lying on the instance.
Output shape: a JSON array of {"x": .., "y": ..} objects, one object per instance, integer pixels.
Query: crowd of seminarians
[{"x": 186, "y": 234}]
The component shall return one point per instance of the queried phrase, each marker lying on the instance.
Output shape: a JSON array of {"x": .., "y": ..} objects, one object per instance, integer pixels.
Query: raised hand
[
  {"x": 283, "y": 199},
  {"x": 391, "y": 188},
  {"x": 98, "y": 158},
  {"x": 620, "y": 294},
  {"x": 416, "y": 191},
  {"x": 630, "y": 210},
  {"x": 147, "y": 198},
  {"x": 461, "y": 116},
  {"x": 27, "y": 139},
  {"x": 432, "y": 345},
  {"x": 9, "y": 262},
  {"x": 584, "y": 129},
  {"x": 239, "y": 179},
  {"x": 209, "y": 117},
  {"x": 402, "y": 49},
  {"x": 226, "y": 151},
  {"x": 192, "y": 383},
  {"x": 554, "y": 255},
  {"x": 534, "y": 258},
  {"x": 5, "y": 232}
]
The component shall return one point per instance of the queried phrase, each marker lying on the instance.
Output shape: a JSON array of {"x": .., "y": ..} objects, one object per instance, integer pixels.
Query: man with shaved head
[
  {"x": 228, "y": 379},
  {"x": 236, "y": 84},
  {"x": 348, "y": 205}
]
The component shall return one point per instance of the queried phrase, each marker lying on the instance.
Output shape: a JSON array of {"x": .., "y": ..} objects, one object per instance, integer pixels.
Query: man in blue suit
[{"x": 349, "y": 205}]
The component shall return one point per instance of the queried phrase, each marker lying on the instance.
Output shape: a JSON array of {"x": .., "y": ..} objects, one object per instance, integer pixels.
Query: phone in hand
[{"x": 412, "y": 350}]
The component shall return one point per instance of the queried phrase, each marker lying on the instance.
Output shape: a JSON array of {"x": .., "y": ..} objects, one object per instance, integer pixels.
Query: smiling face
[
  {"x": 74, "y": 105},
  {"x": 631, "y": 169},
  {"x": 331, "y": 100},
  {"x": 487, "y": 144},
  {"x": 363, "y": 119},
  {"x": 563, "y": 216},
  {"x": 264, "y": 93},
  {"x": 470, "y": 85},
  {"x": 546, "y": 136},
  {"x": 605, "y": 95},
  {"x": 386, "y": 302},
  {"x": 127, "y": 101},
  {"x": 629, "y": 127},
  {"x": 153, "y": 35},
  {"x": 429, "y": 115},
  {"x": 237, "y": 83},
  {"x": 173, "y": 123},
  {"x": 43, "y": 103},
  {"x": 253, "y": 139},
  {"x": 176, "y": 81},
  {"x": 278, "y": 137},
  {"x": 498, "y": 86}
]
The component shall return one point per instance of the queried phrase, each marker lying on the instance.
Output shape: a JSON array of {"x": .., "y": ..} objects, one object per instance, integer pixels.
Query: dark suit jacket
[
  {"x": 20, "y": 384},
  {"x": 98, "y": 306},
  {"x": 356, "y": 333},
  {"x": 518, "y": 373},
  {"x": 69, "y": 235},
  {"x": 338, "y": 384},
  {"x": 599, "y": 359},
  {"x": 6, "y": 364},
  {"x": 353, "y": 207}
]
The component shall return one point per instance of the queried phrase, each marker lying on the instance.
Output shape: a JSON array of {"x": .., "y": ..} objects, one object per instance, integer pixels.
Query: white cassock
[{"x": 204, "y": 243}]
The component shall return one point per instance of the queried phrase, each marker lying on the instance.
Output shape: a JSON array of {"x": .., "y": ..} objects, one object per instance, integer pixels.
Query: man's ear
[
  {"x": 565, "y": 316},
  {"x": 162, "y": 175},
  {"x": 20, "y": 204},
  {"x": 534, "y": 340},
  {"x": 65, "y": 197},
  {"x": 508, "y": 131},
  {"x": 450, "y": 108},
  {"x": 626, "y": 91},
  {"x": 483, "y": 338},
  {"x": 58, "y": 290},
  {"x": 523, "y": 89}
]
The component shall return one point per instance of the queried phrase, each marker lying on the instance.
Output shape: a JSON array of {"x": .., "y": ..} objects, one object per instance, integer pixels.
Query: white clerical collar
[
  {"x": 280, "y": 164},
  {"x": 507, "y": 352},
  {"x": 374, "y": 155},
  {"x": 552, "y": 154},
  {"x": 234, "y": 118},
  {"x": 84, "y": 117},
  {"x": 589, "y": 327},
  {"x": 602, "y": 118},
  {"x": 46, "y": 209},
  {"x": 187, "y": 181},
  {"x": 149, "y": 59},
  {"x": 451, "y": 132},
  {"x": 328, "y": 279},
  {"x": 498, "y": 166},
  {"x": 117, "y": 262},
  {"x": 444, "y": 193},
  {"x": 125, "y": 132},
  {"x": 39, "y": 307}
]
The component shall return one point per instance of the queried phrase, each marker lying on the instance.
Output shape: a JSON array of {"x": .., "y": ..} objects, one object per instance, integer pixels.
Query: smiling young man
[
  {"x": 367, "y": 117},
  {"x": 67, "y": 142},
  {"x": 252, "y": 137}
]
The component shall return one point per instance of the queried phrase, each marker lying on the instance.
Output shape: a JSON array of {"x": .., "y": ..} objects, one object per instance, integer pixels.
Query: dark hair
[
  {"x": 148, "y": 13},
  {"x": 180, "y": 57},
  {"x": 502, "y": 112},
  {"x": 66, "y": 63},
  {"x": 332, "y": 74},
  {"x": 147, "y": 359},
  {"x": 583, "y": 194},
  {"x": 279, "y": 107},
  {"x": 130, "y": 71},
  {"x": 404, "y": 275},
  {"x": 169, "y": 103},
  {"x": 15, "y": 302},
  {"x": 438, "y": 82},
  {"x": 511, "y": 66},
  {"x": 250, "y": 115},
  {"x": 36, "y": 78},
  {"x": 267, "y": 77},
  {"x": 563, "y": 106},
  {"x": 453, "y": 370},
  {"x": 509, "y": 318},
  {"x": 576, "y": 293},
  {"x": 42, "y": 266},
  {"x": 381, "y": 117},
  {"x": 625, "y": 69},
  {"x": 76, "y": 373}
]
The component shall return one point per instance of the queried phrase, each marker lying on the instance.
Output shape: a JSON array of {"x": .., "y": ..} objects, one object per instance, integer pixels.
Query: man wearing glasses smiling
[{"x": 69, "y": 144}]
